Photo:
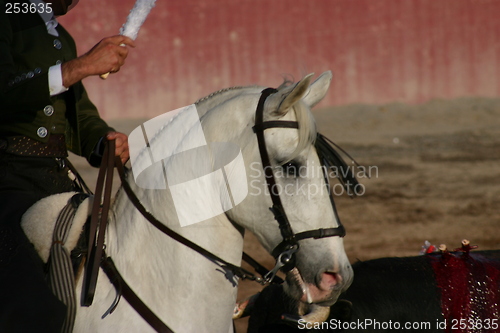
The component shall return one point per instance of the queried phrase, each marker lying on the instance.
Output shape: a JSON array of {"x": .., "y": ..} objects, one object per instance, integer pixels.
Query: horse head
[
  {"x": 201, "y": 171},
  {"x": 320, "y": 269}
]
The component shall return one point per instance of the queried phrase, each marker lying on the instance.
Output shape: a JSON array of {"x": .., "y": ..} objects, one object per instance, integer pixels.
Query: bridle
[{"x": 283, "y": 252}]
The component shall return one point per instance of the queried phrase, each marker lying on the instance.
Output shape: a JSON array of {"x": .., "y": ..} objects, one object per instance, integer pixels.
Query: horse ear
[
  {"x": 318, "y": 89},
  {"x": 285, "y": 98}
]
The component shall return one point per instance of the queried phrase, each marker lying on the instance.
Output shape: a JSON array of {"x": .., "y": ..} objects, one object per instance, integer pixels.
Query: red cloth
[{"x": 470, "y": 296}]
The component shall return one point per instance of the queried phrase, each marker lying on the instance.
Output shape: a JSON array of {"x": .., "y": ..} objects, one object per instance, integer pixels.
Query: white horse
[{"x": 190, "y": 293}]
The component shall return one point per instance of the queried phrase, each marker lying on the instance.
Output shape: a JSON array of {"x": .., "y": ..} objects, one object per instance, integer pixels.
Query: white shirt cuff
[{"x": 55, "y": 80}]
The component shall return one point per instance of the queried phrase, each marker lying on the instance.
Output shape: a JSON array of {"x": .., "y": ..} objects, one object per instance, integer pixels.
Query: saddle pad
[{"x": 39, "y": 221}]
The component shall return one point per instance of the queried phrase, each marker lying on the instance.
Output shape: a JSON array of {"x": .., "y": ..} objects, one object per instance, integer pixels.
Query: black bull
[{"x": 439, "y": 292}]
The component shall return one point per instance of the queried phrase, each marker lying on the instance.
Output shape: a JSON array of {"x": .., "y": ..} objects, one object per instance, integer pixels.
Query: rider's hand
[
  {"x": 121, "y": 145},
  {"x": 107, "y": 56}
]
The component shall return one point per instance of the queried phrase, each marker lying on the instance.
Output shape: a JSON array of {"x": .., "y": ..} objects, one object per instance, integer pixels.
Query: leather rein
[{"x": 284, "y": 252}]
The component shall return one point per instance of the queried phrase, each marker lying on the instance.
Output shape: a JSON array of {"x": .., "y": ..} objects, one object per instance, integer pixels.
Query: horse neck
[{"x": 130, "y": 235}]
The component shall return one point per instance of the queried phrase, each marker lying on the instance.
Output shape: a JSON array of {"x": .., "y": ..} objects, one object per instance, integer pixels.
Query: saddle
[
  {"x": 39, "y": 221},
  {"x": 55, "y": 225}
]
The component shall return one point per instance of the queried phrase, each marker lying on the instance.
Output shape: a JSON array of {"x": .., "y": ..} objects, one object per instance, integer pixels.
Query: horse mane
[
  {"x": 330, "y": 158},
  {"x": 286, "y": 83},
  {"x": 219, "y": 92}
]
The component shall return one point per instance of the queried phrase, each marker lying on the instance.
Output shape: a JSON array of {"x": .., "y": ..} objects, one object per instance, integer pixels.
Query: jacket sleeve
[{"x": 91, "y": 126}]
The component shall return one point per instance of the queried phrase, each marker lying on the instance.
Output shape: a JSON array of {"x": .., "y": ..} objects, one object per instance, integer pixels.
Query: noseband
[{"x": 283, "y": 252}]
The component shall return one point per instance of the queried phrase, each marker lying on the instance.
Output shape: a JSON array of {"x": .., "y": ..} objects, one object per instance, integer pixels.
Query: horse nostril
[{"x": 329, "y": 280}]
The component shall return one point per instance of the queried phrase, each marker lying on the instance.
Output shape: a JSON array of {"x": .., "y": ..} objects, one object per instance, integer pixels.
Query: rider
[{"x": 44, "y": 111}]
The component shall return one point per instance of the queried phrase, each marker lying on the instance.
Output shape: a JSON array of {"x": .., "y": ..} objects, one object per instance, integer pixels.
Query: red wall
[{"x": 379, "y": 50}]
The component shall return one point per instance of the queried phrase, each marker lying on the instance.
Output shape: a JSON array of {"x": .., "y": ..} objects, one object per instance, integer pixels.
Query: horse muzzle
[
  {"x": 324, "y": 291},
  {"x": 314, "y": 299}
]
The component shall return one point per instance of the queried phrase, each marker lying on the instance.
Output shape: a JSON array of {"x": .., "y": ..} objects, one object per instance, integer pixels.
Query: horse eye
[{"x": 291, "y": 169}]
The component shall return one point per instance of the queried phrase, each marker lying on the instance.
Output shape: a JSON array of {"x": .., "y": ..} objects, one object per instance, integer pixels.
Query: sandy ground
[{"x": 435, "y": 176}]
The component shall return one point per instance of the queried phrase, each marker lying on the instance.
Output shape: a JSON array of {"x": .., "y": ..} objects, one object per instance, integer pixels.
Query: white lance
[{"x": 134, "y": 21}]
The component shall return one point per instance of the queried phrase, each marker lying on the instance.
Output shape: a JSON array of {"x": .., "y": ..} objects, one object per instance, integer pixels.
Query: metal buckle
[
  {"x": 281, "y": 261},
  {"x": 61, "y": 163}
]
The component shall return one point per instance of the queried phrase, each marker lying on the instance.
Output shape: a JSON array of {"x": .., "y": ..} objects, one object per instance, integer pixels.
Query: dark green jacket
[{"x": 27, "y": 51}]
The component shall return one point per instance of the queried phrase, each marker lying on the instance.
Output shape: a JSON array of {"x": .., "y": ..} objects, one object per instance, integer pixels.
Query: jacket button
[
  {"x": 48, "y": 110},
  {"x": 38, "y": 70},
  {"x": 30, "y": 75},
  {"x": 57, "y": 44},
  {"x": 42, "y": 132}
]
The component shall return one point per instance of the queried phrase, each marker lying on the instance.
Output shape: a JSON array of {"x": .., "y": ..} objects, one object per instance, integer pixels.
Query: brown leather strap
[
  {"x": 277, "y": 208},
  {"x": 98, "y": 222},
  {"x": 142, "y": 309},
  {"x": 259, "y": 127}
]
